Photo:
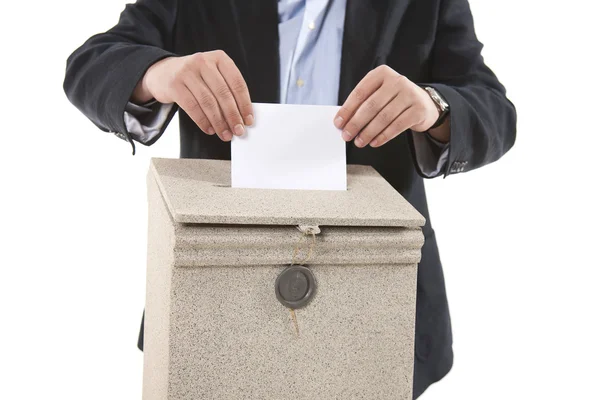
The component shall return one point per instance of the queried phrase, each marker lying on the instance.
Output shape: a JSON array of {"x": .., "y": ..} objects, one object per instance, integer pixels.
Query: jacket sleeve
[
  {"x": 102, "y": 74},
  {"x": 482, "y": 119}
]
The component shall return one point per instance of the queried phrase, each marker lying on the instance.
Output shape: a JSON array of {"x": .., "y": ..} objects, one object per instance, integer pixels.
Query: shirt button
[
  {"x": 311, "y": 25},
  {"x": 299, "y": 83}
]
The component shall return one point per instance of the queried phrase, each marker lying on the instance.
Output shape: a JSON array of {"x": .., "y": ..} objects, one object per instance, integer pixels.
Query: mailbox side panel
[
  {"x": 232, "y": 339},
  {"x": 158, "y": 291}
]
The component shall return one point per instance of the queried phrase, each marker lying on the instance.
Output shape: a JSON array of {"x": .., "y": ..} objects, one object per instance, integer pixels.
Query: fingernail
[
  {"x": 347, "y": 136},
  {"x": 374, "y": 143},
  {"x": 359, "y": 141},
  {"x": 338, "y": 122},
  {"x": 239, "y": 129},
  {"x": 250, "y": 120},
  {"x": 227, "y": 135},
  {"x": 211, "y": 130}
]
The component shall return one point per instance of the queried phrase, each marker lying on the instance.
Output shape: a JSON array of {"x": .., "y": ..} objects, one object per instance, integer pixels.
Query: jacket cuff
[
  {"x": 133, "y": 66},
  {"x": 148, "y": 122},
  {"x": 430, "y": 155},
  {"x": 459, "y": 120}
]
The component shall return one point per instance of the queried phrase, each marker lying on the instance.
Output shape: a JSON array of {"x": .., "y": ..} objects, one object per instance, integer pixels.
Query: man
[{"x": 417, "y": 99}]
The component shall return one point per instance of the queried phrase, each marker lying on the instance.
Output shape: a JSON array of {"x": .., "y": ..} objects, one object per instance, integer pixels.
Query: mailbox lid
[{"x": 199, "y": 192}]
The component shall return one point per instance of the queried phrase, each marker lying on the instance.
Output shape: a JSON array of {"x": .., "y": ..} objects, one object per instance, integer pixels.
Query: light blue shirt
[
  {"x": 310, "y": 53},
  {"x": 310, "y": 50}
]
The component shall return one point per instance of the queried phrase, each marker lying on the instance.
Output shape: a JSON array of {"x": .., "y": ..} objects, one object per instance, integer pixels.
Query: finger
[
  {"x": 382, "y": 120},
  {"x": 403, "y": 122},
  {"x": 366, "y": 113},
  {"x": 238, "y": 87},
  {"x": 209, "y": 105},
  {"x": 365, "y": 88},
  {"x": 220, "y": 90},
  {"x": 187, "y": 101}
]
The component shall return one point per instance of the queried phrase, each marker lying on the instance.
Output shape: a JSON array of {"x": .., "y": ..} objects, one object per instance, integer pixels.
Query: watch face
[{"x": 435, "y": 96}]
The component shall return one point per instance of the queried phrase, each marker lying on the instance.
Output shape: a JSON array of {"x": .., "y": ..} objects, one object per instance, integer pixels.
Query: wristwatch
[{"x": 441, "y": 104}]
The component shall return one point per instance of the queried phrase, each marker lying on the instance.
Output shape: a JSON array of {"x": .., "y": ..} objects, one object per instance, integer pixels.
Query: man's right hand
[{"x": 207, "y": 86}]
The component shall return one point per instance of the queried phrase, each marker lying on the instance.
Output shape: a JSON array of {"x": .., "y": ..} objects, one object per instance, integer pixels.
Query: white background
[{"x": 518, "y": 238}]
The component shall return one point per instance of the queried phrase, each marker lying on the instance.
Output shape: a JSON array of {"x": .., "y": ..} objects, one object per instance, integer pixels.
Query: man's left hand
[{"x": 383, "y": 105}]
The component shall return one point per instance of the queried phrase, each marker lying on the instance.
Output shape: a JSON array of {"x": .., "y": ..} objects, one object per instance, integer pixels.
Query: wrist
[
  {"x": 442, "y": 132},
  {"x": 441, "y": 105},
  {"x": 141, "y": 94}
]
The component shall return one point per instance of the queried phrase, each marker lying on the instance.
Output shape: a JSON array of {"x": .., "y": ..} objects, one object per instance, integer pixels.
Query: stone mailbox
[{"x": 278, "y": 294}]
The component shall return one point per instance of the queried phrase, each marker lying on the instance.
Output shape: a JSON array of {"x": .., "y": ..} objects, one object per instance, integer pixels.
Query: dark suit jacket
[{"x": 429, "y": 41}]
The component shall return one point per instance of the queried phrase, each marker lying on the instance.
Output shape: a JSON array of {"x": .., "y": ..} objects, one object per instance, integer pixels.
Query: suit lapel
[
  {"x": 258, "y": 35},
  {"x": 360, "y": 32},
  {"x": 368, "y": 22},
  {"x": 393, "y": 18}
]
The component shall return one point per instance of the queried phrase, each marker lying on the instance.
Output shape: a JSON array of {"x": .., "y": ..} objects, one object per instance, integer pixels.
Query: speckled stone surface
[
  {"x": 199, "y": 191},
  {"x": 232, "y": 339},
  {"x": 159, "y": 274},
  {"x": 215, "y": 329},
  {"x": 259, "y": 245}
]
